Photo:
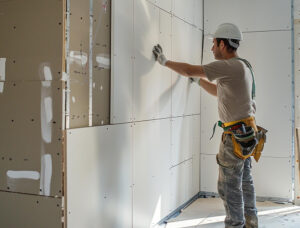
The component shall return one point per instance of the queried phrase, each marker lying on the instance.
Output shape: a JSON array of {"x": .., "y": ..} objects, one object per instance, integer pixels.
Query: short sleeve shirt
[{"x": 234, "y": 89}]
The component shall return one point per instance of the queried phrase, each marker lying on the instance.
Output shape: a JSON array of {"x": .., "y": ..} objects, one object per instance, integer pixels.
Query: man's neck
[{"x": 227, "y": 56}]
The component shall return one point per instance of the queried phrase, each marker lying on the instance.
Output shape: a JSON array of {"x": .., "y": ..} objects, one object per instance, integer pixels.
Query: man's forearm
[
  {"x": 209, "y": 87},
  {"x": 186, "y": 69}
]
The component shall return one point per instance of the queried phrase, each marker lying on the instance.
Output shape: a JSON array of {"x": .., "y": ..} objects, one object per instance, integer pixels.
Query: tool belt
[{"x": 248, "y": 139}]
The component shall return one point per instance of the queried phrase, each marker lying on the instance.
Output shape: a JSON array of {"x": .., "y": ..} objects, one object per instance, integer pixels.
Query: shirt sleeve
[{"x": 215, "y": 70}]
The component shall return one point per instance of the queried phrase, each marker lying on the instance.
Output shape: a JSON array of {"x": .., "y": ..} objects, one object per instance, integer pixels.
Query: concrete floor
[{"x": 209, "y": 213}]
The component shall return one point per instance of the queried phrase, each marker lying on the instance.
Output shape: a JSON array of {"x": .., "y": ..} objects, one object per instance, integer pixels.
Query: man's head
[{"x": 226, "y": 41}]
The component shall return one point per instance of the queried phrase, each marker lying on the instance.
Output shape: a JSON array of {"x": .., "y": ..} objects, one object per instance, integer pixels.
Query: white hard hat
[{"x": 228, "y": 31}]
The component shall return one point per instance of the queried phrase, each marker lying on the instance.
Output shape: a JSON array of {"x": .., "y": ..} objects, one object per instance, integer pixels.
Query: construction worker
[{"x": 234, "y": 90}]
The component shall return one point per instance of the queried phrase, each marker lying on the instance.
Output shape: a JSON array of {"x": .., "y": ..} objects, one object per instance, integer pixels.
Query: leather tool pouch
[
  {"x": 247, "y": 142},
  {"x": 261, "y": 136}
]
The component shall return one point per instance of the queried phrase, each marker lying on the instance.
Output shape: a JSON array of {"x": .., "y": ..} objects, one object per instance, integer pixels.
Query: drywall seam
[
  {"x": 66, "y": 76},
  {"x": 293, "y": 99},
  {"x": 91, "y": 66},
  {"x": 13, "y": 174}
]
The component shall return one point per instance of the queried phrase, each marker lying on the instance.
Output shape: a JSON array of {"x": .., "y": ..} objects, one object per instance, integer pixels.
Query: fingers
[{"x": 160, "y": 48}]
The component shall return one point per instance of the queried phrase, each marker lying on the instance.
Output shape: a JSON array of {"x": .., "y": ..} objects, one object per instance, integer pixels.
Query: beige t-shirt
[{"x": 234, "y": 89}]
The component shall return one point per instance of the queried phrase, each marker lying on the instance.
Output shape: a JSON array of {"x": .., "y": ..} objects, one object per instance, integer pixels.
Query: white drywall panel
[
  {"x": 163, "y": 4},
  {"x": 185, "y": 138},
  {"x": 272, "y": 176},
  {"x": 186, "y": 47},
  {"x": 151, "y": 174},
  {"x": 196, "y": 172},
  {"x": 209, "y": 172},
  {"x": 30, "y": 211},
  {"x": 122, "y": 61},
  {"x": 198, "y": 14},
  {"x": 152, "y": 82},
  {"x": 209, "y": 116},
  {"x": 99, "y": 177},
  {"x": 273, "y": 75},
  {"x": 184, "y": 10},
  {"x": 182, "y": 188},
  {"x": 255, "y": 15}
]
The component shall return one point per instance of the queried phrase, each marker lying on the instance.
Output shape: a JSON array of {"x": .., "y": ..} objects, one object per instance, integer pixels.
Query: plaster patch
[
  {"x": 1, "y": 87},
  {"x": 2, "y": 69},
  {"x": 78, "y": 57},
  {"x": 103, "y": 61},
  {"x": 46, "y": 174},
  {"x": 33, "y": 175}
]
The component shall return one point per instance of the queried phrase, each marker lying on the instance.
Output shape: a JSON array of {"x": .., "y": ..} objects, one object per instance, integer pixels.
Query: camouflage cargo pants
[{"x": 235, "y": 187}]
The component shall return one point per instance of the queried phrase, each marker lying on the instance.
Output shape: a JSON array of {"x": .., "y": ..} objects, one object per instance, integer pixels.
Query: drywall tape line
[{"x": 33, "y": 175}]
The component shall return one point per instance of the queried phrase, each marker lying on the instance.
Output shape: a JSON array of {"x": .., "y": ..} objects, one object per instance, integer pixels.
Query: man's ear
[{"x": 222, "y": 45}]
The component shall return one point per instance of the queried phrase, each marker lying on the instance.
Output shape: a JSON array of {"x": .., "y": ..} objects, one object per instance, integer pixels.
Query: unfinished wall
[
  {"x": 88, "y": 68},
  {"x": 267, "y": 44},
  {"x": 31, "y": 117},
  {"x": 146, "y": 164}
]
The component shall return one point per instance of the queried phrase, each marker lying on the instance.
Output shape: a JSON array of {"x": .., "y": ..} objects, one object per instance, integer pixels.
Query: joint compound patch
[
  {"x": 33, "y": 175},
  {"x": 46, "y": 174},
  {"x": 2, "y": 69},
  {"x": 1, "y": 87},
  {"x": 103, "y": 61},
  {"x": 78, "y": 57}
]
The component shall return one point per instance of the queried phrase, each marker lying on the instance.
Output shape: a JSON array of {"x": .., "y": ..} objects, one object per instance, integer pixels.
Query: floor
[{"x": 209, "y": 213}]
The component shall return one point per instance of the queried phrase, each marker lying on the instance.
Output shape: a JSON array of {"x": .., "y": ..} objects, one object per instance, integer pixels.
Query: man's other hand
[{"x": 159, "y": 55}]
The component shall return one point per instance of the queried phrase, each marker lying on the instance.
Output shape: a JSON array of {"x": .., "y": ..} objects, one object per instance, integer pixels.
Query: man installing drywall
[{"x": 235, "y": 90}]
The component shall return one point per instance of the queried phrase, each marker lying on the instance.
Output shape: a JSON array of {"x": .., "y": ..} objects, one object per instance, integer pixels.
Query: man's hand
[{"x": 159, "y": 55}]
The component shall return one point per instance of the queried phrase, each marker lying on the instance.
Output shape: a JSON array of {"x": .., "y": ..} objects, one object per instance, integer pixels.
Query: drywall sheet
[
  {"x": 297, "y": 71},
  {"x": 276, "y": 172},
  {"x": 78, "y": 59},
  {"x": 101, "y": 62},
  {"x": 186, "y": 47},
  {"x": 151, "y": 172},
  {"x": 29, "y": 211},
  {"x": 99, "y": 177},
  {"x": 256, "y": 15},
  {"x": 122, "y": 61},
  {"x": 183, "y": 183},
  {"x": 189, "y": 10},
  {"x": 185, "y": 138},
  {"x": 272, "y": 70},
  {"x": 79, "y": 102},
  {"x": 151, "y": 82},
  {"x": 31, "y": 137},
  {"x": 31, "y": 37},
  {"x": 147, "y": 90}
]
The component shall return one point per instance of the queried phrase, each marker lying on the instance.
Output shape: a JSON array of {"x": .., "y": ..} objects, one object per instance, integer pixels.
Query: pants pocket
[{"x": 226, "y": 157}]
